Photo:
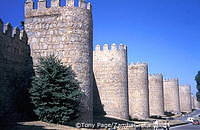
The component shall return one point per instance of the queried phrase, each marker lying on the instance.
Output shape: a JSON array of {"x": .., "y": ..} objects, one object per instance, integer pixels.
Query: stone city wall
[
  {"x": 14, "y": 52},
  {"x": 15, "y": 69},
  {"x": 196, "y": 103},
  {"x": 67, "y": 32},
  {"x": 192, "y": 101}
]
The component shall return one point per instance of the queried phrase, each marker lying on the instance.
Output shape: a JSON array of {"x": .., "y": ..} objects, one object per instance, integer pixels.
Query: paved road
[
  {"x": 186, "y": 127},
  {"x": 193, "y": 114}
]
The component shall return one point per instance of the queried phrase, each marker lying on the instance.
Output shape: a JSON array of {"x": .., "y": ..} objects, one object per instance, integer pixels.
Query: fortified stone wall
[
  {"x": 14, "y": 53},
  {"x": 196, "y": 103},
  {"x": 171, "y": 95},
  {"x": 138, "y": 90},
  {"x": 110, "y": 70},
  {"x": 156, "y": 95},
  {"x": 15, "y": 67},
  {"x": 66, "y": 32},
  {"x": 185, "y": 98},
  {"x": 192, "y": 101}
]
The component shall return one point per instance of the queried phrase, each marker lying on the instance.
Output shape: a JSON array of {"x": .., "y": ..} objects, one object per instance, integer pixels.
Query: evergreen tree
[
  {"x": 197, "y": 78},
  {"x": 55, "y": 92}
]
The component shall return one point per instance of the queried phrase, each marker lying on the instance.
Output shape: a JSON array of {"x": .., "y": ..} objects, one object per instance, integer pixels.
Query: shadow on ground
[
  {"x": 103, "y": 119},
  {"x": 16, "y": 126},
  {"x": 38, "y": 125}
]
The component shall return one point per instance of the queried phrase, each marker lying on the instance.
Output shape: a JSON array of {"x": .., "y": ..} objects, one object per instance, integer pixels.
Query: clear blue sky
[{"x": 163, "y": 33}]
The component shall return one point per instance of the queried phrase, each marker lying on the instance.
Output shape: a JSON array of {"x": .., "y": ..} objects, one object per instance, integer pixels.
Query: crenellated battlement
[
  {"x": 16, "y": 32},
  {"x": 141, "y": 64},
  {"x": 23, "y": 35},
  {"x": 171, "y": 80},
  {"x": 8, "y": 30},
  {"x": 55, "y": 5},
  {"x": 156, "y": 75},
  {"x": 185, "y": 87},
  {"x": 113, "y": 47},
  {"x": 1, "y": 26}
]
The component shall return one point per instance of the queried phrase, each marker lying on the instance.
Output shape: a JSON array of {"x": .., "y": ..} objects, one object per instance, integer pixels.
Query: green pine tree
[{"x": 55, "y": 92}]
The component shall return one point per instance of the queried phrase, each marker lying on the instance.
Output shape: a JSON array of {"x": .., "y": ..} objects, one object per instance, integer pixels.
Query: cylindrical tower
[
  {"x": 156, "y": 95},
  {"x": 171, "y": 95},
  {"x": 110, "y": 71},
  {"x": 192, "y": 101},
  {"x": 138, "y": 91},
  {"x": 196, "y": 103},
  {"x": 185, "y": 98},
  {"x": 66, "y": 32}
]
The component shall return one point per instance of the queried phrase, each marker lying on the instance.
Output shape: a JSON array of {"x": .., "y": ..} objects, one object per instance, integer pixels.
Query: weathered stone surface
[
  {"x": 156, "y": 95},
  {"x": 14, "y": 52},
  {"x": 110, "y": 70},
  {"x": 66, "y": 32},
  {"x": 15, "y": 70},
  {"x": 1, "y": 26},
  {"x": 192, "y": 101},
  {"x": 196, "y": 103},
  {"x": 185, "y": 98},
  {"x": 138, "y": 90},
  {"x": 171, "y": 95}
]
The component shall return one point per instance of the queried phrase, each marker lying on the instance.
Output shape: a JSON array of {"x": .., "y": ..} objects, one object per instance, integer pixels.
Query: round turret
[
  {"x": 66, "y": 32},
  {"x": 196, "y": 103},
  {"x": 192, "y": 101},
  {"x": 185, "y": 98},
  {"x": 110, "y": 71},
  {"x": 156, "y": 95},
  {"x": 171, "y": 95},
  {"x": 138, "y": 90}
]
